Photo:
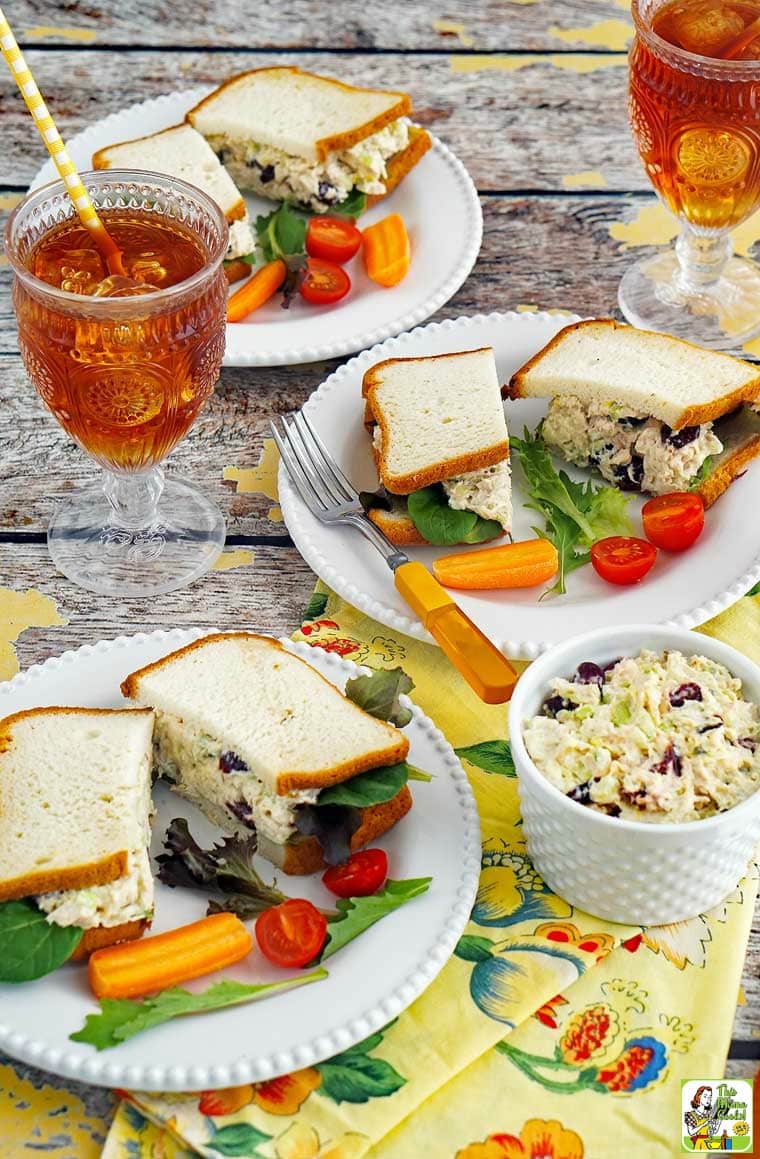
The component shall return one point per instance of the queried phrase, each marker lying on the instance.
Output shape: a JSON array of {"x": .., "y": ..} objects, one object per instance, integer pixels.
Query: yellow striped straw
[{"x": 22, "y": 75}]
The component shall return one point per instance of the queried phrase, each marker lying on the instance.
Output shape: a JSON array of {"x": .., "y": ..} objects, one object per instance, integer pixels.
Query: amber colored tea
[
  {"x": 127, "y": 382},
  {"x": 697, "y": 129}
]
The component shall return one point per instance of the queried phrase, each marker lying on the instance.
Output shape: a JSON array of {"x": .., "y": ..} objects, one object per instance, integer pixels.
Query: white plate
[
  {"x": 439, "y": 838},
  {"x": 437, "y": 200},
  {"x": 684, "y": 590}
]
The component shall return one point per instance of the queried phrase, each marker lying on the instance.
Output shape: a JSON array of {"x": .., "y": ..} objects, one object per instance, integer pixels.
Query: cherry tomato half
[
  {"x": 324, "y": 283},
  {"x": 673, "y": 522},
  {"x": 292, "y": 933},
  {"x": 362, "y": 874},
  {"x": 622, "y": 559},
  {"x": 332, "y": 238}
]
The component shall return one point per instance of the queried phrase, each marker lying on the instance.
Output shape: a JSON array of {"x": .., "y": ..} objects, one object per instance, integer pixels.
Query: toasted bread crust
[
  {"x": 100, "y": 936},
  {"x": 439, "y": 472},
  {"x": 339, "y": 141},
  {"x": 237, "y": 269},
  {"x": 397, "y": 750},
  {"x": 721, "y": 478},
  {"x": 100, "y": 161},
  {"x": 401, "y": 163},
  {"x": 305, "y": 855},
  {"x": 398, "y": 528},
  {"x": 692, "y": 416},
  {"x": 100, "y": 872}
]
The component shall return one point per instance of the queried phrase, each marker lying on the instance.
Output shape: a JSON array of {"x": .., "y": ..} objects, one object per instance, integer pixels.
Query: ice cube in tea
[{"x": 705, "y": 27}]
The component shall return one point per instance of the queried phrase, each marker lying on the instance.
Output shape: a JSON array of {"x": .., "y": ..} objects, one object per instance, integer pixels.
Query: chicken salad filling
[
  {"x": 631, "y": 450},
  {"x": 656, "y": 737},
  {"x": 219, "y": 782},
  {"x": 320, "y": 185}
]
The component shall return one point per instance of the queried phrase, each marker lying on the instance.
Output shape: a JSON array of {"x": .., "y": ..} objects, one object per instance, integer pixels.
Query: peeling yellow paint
[
  {"x": 522, "y": 1},
  {"x": 43, "y": 31},
  {"x": 612, "y": 34},
  {"x": 19, "y": 611},
  {"x": 10, "y": 200},
  {"x": 3, "y": 260},
  {"x": 655, "y": 225},
  {"x": 567, "y": 61},
  {"x": 531, "y": 308},
  {"x": 741, "y": 998},
  {"x": 258, "y": 480},
  {"x": 45, "y": 1115},
  {"x": 451, "y": 28},
  {"x": 238, "y": 557},
  {"x": 587, "y": 178},
  {"x": 652, "y": 225},
  {"x": 274, "y": 515}
]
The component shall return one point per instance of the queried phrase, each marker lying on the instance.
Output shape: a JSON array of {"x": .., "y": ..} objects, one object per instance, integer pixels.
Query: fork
[{"x": 332, "y": 499}]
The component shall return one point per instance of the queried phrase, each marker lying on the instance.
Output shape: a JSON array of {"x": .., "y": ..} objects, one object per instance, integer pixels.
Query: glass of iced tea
[
  {"x": 125, "y": 364},
  {"x": 694, "y": 102}
]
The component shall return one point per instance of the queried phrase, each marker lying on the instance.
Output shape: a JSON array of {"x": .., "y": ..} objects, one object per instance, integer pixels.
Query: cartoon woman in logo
[{"x": 702, "y": 1122}]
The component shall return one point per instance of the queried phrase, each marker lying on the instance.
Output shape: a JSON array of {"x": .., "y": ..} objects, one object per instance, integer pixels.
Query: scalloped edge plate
[
  {"x": 683, "y": 590},
  {"x": 437, "y": 200},
  {"x": 439, "y": 837}
]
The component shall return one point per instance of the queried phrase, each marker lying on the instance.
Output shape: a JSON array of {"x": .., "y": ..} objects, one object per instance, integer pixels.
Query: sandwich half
[
  {"x": 648, "y": 411},
  {"x": 253, "y": 735},
  {"x": 294, "y": 136},
  {"x": 441, "y": 447},
  {"x": 75, "y": 807},
  {"x": 182, "y": 152}
]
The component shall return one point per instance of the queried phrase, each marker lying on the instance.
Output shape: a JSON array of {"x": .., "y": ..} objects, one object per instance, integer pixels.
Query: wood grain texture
[
  {"x": 353, "y": 24},
  {"x": 526, "y": 127}
]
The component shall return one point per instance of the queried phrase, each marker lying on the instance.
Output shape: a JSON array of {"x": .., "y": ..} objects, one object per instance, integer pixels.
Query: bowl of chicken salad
[{"x": 637, "y": 752}]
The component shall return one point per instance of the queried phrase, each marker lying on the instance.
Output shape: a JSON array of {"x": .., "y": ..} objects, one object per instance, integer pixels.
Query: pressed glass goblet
[
  {"x": 696, "y": 122},
  {"x": 125, "y": 365}
]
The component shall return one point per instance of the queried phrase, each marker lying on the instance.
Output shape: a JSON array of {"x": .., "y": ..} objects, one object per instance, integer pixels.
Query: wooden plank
[
  {"x": 571, "y": 234},
  {"x": 526, "y": 124},
  {"x": 267, "y": 595},
  {"x": 480, "y": 25}
]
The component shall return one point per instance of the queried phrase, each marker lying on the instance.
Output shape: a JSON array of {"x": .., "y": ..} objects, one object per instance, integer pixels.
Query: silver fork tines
[{"x": 323, "y": 487}]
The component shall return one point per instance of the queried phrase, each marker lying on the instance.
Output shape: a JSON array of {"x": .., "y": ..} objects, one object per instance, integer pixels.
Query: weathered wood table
[{"x": 531, "y": 96}]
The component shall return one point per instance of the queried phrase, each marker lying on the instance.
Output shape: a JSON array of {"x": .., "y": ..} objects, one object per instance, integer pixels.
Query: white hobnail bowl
[{"x": 629, "y": 871}]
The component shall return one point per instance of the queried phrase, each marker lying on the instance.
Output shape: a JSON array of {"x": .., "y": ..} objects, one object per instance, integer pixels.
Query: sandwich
[
  {"x": 75, "y": 808},
  {"x": 293, "y": 136},
  {"x": 441, "y": 447},
  {"x": 649, "y": 412},
  {"x": 182, "y": 152},
  {"x": 253, "y": 736}
]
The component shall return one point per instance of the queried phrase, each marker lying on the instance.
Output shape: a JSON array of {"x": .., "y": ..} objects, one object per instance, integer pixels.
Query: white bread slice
[
  {"x": 437, "y": 417},
  {"x": 270, "y": 708},
  {"x": 740, "y": 435},
  {"x": 602, "y": 361},
  {"x": 299, "y": 112},
  {"x": 182, "y": 152},
  {"x": 71, "y": 780}
]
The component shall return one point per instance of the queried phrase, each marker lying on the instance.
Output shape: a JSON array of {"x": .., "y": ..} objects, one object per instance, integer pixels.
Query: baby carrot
[
  {"x": 133, "y": 969},
  {"x": 514, "y": 565},
  {"x": 386, "y": 250},
  {"x": 257, "y": 290}
]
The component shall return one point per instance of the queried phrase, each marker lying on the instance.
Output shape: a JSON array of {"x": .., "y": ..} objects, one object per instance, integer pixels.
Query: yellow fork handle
[{"x": 481, "y": 663}]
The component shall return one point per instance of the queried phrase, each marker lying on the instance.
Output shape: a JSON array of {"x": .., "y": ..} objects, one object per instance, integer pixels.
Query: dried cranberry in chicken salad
[{"x": 655, "y": 737}]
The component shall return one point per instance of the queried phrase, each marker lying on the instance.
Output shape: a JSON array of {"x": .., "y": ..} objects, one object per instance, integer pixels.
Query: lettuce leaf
[
  {"x": 444, "y": 526},
  {"x": 357, "y": 914},
  {"x": 575, "y": 514},
  {"x": 123, "y": 1018}
]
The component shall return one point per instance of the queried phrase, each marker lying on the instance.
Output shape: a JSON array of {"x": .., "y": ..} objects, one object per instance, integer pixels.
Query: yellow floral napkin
[{"x": 548, "y": 1035}]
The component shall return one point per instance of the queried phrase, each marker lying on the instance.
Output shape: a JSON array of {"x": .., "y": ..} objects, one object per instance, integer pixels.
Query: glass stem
[
  {"x": 134, "y": 498},
  {"x": 702, "y": 258}
]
